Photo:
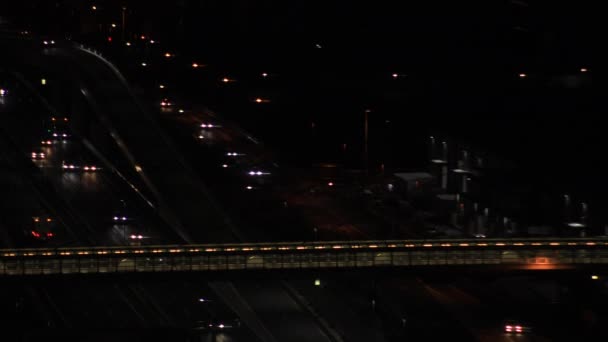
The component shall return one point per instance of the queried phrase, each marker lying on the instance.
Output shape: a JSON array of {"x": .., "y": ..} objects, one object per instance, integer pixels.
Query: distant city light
[
  {"x": 152, "y": 41},
  {"x": 195, "y": 65},
  {"x": 162, "y": 86},
  {"x": 258, "y": 100},
  {"x": 168, "y": 55},
  {"x": 522, "y": 75},
  {"x": 113, "y": 25},
  {"x": 248, "y": 187},
  {"x": 225, "y": 80},
  {"x": 144, "y": 64},
  {"x": 584, "y": 70},
  {"x": 330, "y": 184},
  {"x": 595, "y": 277},
  {"x": 43, "y": 81},
  {"x": 317, "y": 282},
  {"x": 264, "y": 74},
  {"x": 94, "y": 8},
  {"x": 395, "y": 75},
  {"x": 181, "y": 110},
  {"x": 142, "y": 37},
  {"x": 224, "y": 165},
  {"x": 128, "y": 44}
]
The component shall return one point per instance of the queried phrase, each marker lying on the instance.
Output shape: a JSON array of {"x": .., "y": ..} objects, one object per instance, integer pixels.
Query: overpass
[{"x": 519, "y": 253}]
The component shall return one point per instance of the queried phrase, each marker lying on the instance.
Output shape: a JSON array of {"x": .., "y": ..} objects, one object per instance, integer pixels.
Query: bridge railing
[{"x": 526, "y": 253}]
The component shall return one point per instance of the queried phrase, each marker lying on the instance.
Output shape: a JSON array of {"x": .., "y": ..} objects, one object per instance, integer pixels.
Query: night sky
[{"x": 462, "y": 60}]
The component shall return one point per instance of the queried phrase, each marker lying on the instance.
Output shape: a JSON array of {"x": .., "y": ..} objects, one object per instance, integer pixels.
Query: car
[
  {"x": 209, "y": 125},
  {"x": 38, "y": 155},
  {"x": 165, "y": 103},
  {"x": 122, "y": 214},
  {"x": 513, "y": 326},
  {"x": 218, "y": 324},
  {"x": 57, "y": 128},
  {"x": 42, "y": 228}
]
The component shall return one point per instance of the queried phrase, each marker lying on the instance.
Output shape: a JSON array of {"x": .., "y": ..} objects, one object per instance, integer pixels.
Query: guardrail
[{"x": 524, "y": 253}]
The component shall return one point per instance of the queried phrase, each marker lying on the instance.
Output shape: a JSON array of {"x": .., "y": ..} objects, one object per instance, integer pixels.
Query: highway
[{"x": 150, "y": 155}]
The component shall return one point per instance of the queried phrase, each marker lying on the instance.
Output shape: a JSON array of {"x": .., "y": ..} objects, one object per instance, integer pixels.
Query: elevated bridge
[{"x": 514, "y": 253}]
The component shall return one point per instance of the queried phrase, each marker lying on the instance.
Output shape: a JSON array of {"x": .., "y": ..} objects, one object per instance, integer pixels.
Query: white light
[
  {"x": 395, "y": 75},
  {"x": 72, "y": 167},
  {"x": 152, "y": 42},
  {"x": 94, "y": 8},
  {"x": 43, "y": 81},
  {"x": 86, "y": 168},
  {"x": 113, "y": 25},
  {"x": 259, "y": 173},
  {"x": 93, "y": 168},
  {"x": 161, "y": 86},
  {"x": 264, "y": 74},
  {"x": 221, "y": 326},
  {"x": 64, "y": 135},
  {"x": 225, "y": 80},
  {"x": 115, "y": 218},
  {"x": 584, "y": 70},
  {"x": 575, "y": 225},
  {"x": 201, "y": 137},
  {"x": 595, "y": 277},
  {"x": 249, "y": 187},
  {"x": 224, "y": 165},
  {"x": 181, "y": 110},
  {"x": 123, "y": 218},
  {"x": 55, "y": 134},
  {"x": 144, "y": 64},
  {"x": 2, "y": 92},
  {"x": 133, "y": 236},
  {"x": 128, "y": 44},
  {"x": 45, "y": 42},
  {"x": 52, "y": 42},
  {"x": 140, "y": 237},
  {"x": 522, "y": 75}
]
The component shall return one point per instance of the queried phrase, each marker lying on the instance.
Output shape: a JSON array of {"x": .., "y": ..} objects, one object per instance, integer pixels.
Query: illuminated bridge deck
[{"x": 522, "y": 253}]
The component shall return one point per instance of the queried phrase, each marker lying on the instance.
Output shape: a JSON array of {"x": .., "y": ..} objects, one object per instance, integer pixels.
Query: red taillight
[
  {"x": 110, "y": 39},
  {"x": 49, "y": 234},
  {"x": 35, "y": 234}
]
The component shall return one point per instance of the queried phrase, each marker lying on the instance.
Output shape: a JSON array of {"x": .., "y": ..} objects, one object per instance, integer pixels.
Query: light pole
[
  {"x": 365, "y": 145},
  {"x": 124, "y": 20}
]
